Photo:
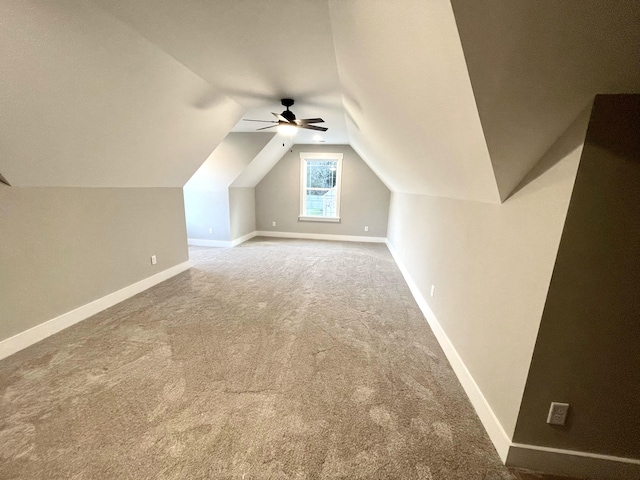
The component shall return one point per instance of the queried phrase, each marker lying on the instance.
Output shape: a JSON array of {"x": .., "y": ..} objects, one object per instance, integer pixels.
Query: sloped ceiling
[
  {"x": 535, "y": 65},
  {"x": 120, "y": 93},
  {"x": 254, "y": 51},
  {"x": 409, "y": 101},
  {"x": 263, "y": 162},
  {"x": 230, "y": 158},
  {"x": 86, "y": 101}
]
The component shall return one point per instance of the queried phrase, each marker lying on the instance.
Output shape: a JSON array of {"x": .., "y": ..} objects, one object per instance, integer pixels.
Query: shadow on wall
[{"x": 572, "y": 138}]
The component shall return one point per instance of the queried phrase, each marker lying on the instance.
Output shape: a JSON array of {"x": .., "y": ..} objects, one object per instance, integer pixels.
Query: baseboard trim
[
  {"x": 321, "y": 236},
  {"x": 557, "y": 461},
  {"x": 243, "y": 239},
  {"x": 201, "y": 242},
  {"x": 35, "y": 334},
  {"x": 548, "y": 460},
  {"x": 498, "y": 436}
]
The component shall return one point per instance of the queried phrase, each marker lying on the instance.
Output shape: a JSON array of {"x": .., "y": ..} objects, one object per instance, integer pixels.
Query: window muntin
[{"x": 320, "y": 186}]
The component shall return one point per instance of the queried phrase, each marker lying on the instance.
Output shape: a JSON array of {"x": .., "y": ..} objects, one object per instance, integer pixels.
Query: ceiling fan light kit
[
  {"x": 287, "y": 129},
  {"x": 287, "y": 123}
]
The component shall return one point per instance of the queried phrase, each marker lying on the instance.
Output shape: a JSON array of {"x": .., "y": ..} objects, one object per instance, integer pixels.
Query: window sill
[{"x": 319, "y": 219}]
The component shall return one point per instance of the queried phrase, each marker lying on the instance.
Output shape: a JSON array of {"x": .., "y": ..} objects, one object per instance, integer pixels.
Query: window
[{"x": 320, "y": 175}]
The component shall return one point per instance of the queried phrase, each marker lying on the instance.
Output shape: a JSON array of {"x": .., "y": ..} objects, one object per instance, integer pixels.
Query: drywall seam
[
  {"x": 496, "y": 432},
  {"x": 35, "y": 334},
  {"x": 322, "y": 236},
  {"x": 558, "y": 461}
]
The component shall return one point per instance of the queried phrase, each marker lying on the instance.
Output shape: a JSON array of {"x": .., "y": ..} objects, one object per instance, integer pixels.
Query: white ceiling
[
  {"x": 121, "y": 93},
  {"x": 253, "y": 51},
  {"x": 230, "y": 159},
  {"x": 86, "y": 101},
  {"x": 412, "y": 115},
  {"x": 536, "y": 65}
]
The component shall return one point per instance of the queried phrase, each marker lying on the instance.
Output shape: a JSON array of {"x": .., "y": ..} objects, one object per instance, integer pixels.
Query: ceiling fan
[{"x": 287, "y": 120}]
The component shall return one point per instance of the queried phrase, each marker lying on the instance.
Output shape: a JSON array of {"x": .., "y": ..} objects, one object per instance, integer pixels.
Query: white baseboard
[
  {"x": 200, "y": 242},
  {"x": 557, "y": 461},
  {"x": 542, "y": 459},
  {"x": 498, "y": 436},
  {"x": 243, "y": 239},
  {"x": 321, "y": 236},
  {"x": 35, "y": 334}
]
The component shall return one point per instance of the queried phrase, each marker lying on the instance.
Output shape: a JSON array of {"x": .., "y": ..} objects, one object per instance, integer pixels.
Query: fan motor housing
[
  {"x": 288, "y": 114},
  {"x": 287, "y": 102}
]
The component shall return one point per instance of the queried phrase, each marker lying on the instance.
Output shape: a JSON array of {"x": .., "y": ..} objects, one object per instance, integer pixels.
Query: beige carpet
[{"x": 278, "y": 359}]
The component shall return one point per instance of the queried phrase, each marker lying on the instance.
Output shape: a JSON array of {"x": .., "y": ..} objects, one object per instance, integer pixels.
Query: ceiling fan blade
[
  {"x": 263, "y": 121},
  {"x": 306, "y": 121},
  {"x": 280, "y": 117},
  {"x": 264, "y": 128},
  {"x": 314, "y": 127}
]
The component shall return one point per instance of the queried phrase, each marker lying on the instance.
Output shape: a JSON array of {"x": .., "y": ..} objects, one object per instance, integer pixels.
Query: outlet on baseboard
[{"x": 154, "y": 260}]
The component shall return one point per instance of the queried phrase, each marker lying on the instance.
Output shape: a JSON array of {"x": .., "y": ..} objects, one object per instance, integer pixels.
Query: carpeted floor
[{"x": 278, "y": 359}]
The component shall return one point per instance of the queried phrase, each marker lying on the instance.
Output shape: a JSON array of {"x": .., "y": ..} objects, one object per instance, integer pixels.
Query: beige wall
[
  {"x": 242, "y": 211},
  {"x": 587, "y": 351},
  {"x": 491, "y": 266},
  {"x": 364, "y": 201},
  {"x": 64, "y": 247}
]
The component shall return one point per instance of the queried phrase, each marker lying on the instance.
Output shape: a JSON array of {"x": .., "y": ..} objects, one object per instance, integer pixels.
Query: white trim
[
  {"x": 35, "y": 334},
  {"x": 243, "y": 239},
  {"x": 201, "y": 242},
  {"x": 322, "y": 155},
  {"x": 304, "y": 156},
  {"x": 557, "y": 461},
  {"x": 321, "y": 236},
  {"x": 319, "y": 219},
  {"x": 543, "y": 459},
  {"x": 498, "y": 436}
]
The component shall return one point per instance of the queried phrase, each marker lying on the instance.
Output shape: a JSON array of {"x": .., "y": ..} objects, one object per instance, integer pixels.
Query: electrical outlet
[
  {"x": 366, "y": 229},
  {"x": 273, "y": 224},
  {"x": 154, "y": 260},
  {"x": 211, "y": 230},
  {"x": 433, "y": 290},
  {"x": 558, "y": 413}
]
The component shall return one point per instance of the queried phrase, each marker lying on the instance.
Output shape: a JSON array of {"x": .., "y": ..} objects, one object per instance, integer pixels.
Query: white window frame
[{"x": 304, "y": 156}]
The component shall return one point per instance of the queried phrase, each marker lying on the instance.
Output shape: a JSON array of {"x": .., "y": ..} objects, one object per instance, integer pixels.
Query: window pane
[
  {"x": 321, "y": 173},
  {"x": 321, "y": 203}
]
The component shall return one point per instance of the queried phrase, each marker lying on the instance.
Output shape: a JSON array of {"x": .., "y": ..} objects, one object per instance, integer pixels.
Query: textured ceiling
[{"x": 452, "y": 100}]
